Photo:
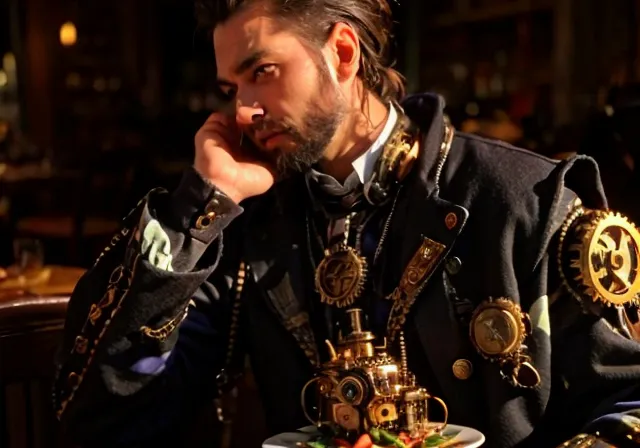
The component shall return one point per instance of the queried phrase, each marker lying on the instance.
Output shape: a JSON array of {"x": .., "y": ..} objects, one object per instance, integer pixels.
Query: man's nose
[{"x": 247, "y": 115}]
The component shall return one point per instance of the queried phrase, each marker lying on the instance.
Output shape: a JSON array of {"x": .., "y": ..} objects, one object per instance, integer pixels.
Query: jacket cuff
[{"x": 199, "y": 208}]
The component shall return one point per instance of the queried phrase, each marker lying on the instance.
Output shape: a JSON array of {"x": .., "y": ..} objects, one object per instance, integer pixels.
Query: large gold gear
[{"x": 599, "y": 257}]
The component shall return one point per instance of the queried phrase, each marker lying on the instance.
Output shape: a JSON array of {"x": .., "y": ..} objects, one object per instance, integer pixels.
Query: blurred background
[{"x": 100, "y": 100}]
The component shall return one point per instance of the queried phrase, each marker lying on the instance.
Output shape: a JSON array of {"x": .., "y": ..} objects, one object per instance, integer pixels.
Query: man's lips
[{"x": 266, "y": 138}]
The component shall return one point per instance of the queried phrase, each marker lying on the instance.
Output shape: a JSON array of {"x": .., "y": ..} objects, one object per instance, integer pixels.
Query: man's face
[{"x": 262, "y": 63}]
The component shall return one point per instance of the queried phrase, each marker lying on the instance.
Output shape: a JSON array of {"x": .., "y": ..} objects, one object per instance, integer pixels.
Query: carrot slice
[{"x": 364, "y": 442}]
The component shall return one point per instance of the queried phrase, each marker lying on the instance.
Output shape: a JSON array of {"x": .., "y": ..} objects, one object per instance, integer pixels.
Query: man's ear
[{"x": 342, "y": 51}]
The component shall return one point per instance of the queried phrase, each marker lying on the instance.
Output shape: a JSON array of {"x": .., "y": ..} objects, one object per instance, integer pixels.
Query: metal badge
[
  {"x": 599, "y": 257},
  {"x": 498, "y": 329},
  {"x": 422, "y": 264},
  {"x": 340, "y": 276}
]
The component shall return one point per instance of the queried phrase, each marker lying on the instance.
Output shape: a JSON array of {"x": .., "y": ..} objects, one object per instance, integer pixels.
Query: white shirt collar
[{"x": 364, "y": 164}]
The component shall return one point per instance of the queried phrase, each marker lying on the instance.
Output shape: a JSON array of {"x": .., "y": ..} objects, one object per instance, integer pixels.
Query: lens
[{"x": 350, "y": 391}]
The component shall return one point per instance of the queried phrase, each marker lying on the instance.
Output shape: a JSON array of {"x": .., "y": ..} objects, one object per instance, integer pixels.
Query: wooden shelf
[{"x": 490, "y": 13}]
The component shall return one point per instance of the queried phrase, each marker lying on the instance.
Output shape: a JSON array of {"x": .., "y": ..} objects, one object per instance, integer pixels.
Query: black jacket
[{"x": 509, "y": 205}]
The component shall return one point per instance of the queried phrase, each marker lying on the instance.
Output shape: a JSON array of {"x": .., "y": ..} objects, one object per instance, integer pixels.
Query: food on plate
[{"x": 363, "y": 397}]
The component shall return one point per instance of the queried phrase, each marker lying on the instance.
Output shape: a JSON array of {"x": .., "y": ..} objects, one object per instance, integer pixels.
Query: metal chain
[{"x": 311, "y": 228}]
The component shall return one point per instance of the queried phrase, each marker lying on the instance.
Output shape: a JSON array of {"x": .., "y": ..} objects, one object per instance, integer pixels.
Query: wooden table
[
  {"x": 50, "y": 281},
  {"x": 32, "y": 313}
]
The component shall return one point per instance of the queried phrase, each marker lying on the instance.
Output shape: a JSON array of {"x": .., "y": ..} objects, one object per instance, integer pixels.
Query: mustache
[{"x": 267, "y": 124}]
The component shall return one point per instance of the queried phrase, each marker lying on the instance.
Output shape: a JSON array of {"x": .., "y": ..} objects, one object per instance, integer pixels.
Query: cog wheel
[{"x": 599, "y": 257}]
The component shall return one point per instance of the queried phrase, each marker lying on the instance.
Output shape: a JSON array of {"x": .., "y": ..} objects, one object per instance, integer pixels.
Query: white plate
[{"x": 467, "y": 437}]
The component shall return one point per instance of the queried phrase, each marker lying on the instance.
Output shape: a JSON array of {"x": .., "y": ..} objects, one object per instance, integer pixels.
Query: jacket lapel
[
  {"x": 275, "y": 255},
  {"x": 428, "y": 303},
  {"x": 429, "y": 237},
  {"x": 433, "y": 223}
]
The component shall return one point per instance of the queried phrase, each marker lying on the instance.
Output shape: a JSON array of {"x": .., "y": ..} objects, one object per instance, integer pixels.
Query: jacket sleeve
[
  {"x": 596, "y": 374},
  {"x": 593, "y": 360},
  {"x": 146, "y": 326}
]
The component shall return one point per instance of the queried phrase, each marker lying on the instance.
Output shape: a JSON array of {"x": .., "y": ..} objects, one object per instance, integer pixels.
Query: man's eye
[{"x": 264, "y": 70}]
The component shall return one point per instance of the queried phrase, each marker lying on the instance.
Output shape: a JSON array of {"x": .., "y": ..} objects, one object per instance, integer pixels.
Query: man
[{"x": 476, "y": 252}]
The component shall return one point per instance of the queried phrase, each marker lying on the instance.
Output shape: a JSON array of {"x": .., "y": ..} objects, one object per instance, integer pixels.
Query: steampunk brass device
[{"x": 362, "y": 387}]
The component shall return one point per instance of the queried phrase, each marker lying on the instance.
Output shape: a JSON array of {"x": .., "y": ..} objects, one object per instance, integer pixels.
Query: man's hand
[{"x": 237, "y": 171}]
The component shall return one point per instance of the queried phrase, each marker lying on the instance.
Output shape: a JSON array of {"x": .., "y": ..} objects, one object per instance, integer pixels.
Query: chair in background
[{"x": 30, "y": 332}]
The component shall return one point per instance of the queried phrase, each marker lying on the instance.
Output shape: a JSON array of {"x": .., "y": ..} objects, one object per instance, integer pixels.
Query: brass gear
[
  {"x": 599, "y": 257},
  {"x": 340, "y": 277}
]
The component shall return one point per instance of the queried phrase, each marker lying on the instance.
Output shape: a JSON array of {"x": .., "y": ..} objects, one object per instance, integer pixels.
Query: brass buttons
[
  {"x": 204, "y": 221},
  {"x": 462, "y": 369},
  {"x": 81, "y": 345}
]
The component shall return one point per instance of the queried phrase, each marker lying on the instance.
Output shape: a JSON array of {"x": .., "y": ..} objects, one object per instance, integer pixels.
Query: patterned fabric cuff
[
  {"x": 175, "y": 230},
  {"x": 198, "y": 207}
]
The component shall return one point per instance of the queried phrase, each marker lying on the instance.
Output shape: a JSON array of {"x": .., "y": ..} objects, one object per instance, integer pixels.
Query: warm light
[
  {"x": 472, "y": 109},
  {"x": 73, "y": 80},
  {"x": 387, "y": 369},
  {"x": 100, "y": 84},
  {"x": 68, "y": 34},
  {"x": 4, "y": 79},
  {"x": 9, "y": 62},
  {"x": 115, "y": 84}
]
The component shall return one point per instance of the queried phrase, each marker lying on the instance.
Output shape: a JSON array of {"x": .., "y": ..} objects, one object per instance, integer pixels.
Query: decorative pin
[
  {"x": 451, "y": 220},
  {"x": 498, "y": 329},
  {"x": 394, "y": 162},
  {"x": 340, "y": 276},
  {"x": 599, "y": 257},
  {"x": 421, "y": 266}
]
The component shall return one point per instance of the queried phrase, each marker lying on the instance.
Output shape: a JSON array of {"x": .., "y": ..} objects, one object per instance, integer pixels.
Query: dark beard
[
  {"x": 319, "y": 128},
  {"x": 314, "y": 134}
]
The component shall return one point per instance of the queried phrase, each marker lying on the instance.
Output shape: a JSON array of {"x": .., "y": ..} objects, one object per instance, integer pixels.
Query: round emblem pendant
[{"x": 340, "y": 276}]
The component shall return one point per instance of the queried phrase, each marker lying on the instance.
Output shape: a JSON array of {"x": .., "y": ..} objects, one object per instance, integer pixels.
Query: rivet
[
  {"x": 451, "y": 220},
  {"x": 462, "y": 369}
]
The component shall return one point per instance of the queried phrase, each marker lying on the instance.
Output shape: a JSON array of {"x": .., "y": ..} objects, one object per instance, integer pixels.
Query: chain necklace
[{"x": 340, "y": 277}]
